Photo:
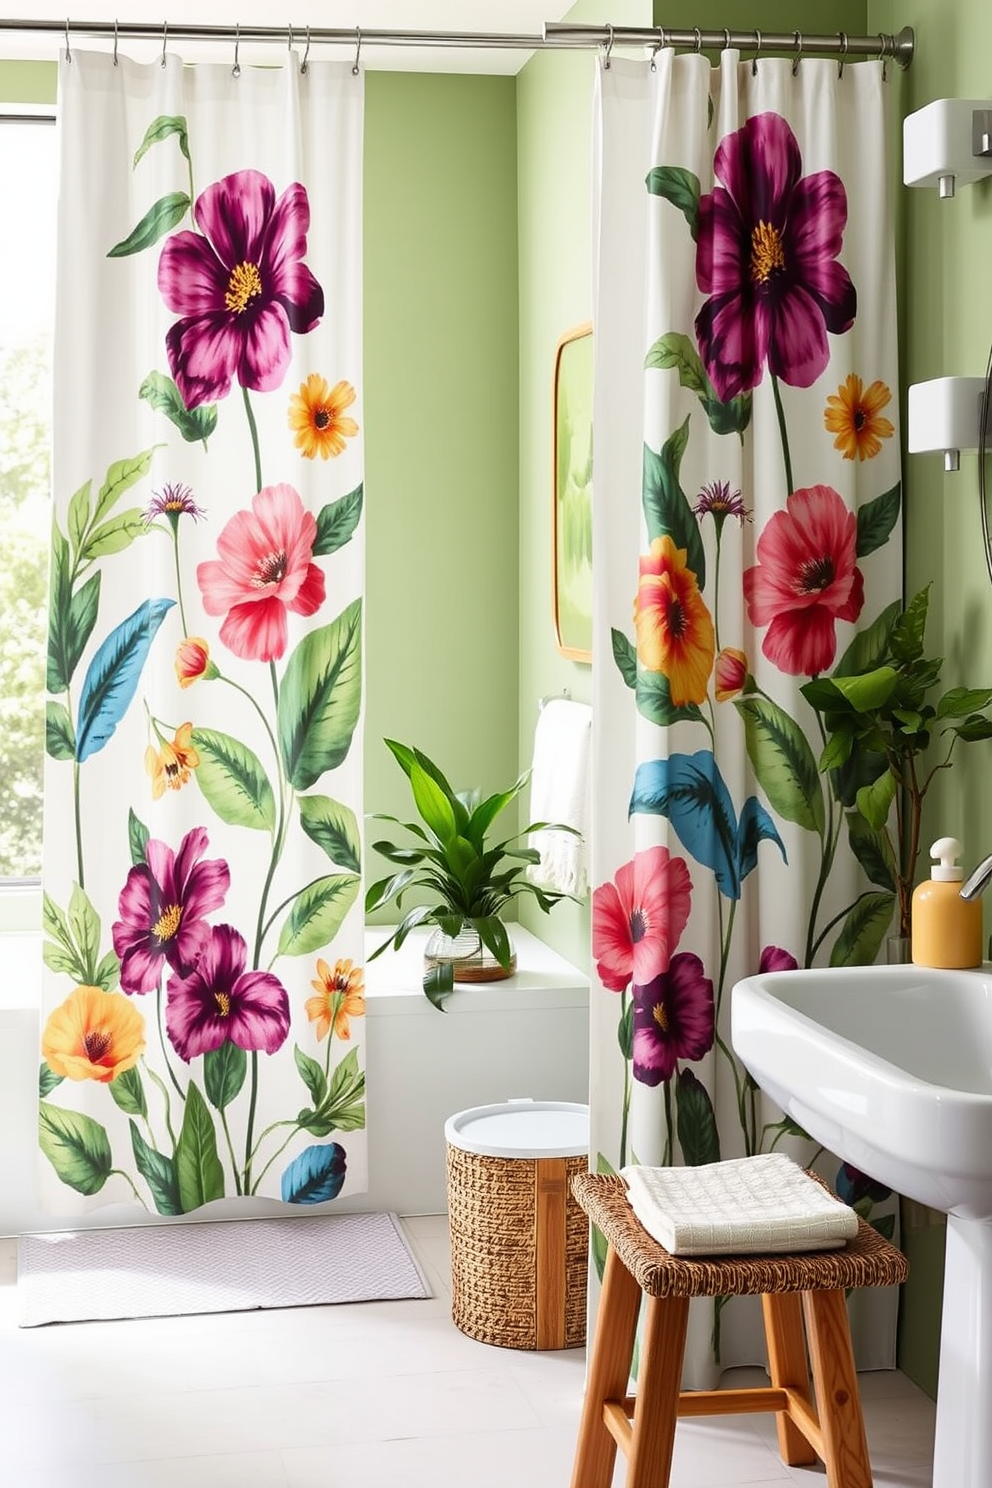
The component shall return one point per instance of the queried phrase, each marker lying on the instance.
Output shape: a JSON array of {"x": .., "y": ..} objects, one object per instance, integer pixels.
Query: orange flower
[
  {"x": 171, "y": 765},
  {"x": 340, "y": 996},
  {"x": 673, "y": 626},
  {"x": 730, "y": 673},
  {"x": 855, "y": 417},
  {"x": 193, "y": 661},
  {"x": 317, "y": 417},
  {"x": 93, "y": 1035}
]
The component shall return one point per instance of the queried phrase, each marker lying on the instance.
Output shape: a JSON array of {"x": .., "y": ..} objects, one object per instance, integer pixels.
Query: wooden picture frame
[{"x": 571, "y": 546}]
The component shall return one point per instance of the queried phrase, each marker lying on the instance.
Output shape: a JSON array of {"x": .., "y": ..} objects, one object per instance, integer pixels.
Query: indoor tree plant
[
  {"x": 468, "y": 879},
  {"x": 879, "y": 723}
]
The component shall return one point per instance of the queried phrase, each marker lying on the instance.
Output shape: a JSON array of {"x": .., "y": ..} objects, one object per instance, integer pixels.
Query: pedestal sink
[{"x": 890, "y": 1067}]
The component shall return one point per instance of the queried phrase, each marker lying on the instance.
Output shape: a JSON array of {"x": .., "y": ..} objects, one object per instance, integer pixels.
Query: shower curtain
[
  {"x": 747, "y": 532},
  {"x": 202, "y": 1029}
]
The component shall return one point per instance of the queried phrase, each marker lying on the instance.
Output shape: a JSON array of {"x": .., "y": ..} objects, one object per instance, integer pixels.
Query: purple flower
[
  {"x": 766, "y": 254},
  {"x": 673, "y": 1019},
  {"x": 161, "y": 909},
  {"x": 219, "y": 1000},
  {"x": 853, "y": 1186},
  {"x": 774, "y": 958},
  {"x": 240, "y": 287}
]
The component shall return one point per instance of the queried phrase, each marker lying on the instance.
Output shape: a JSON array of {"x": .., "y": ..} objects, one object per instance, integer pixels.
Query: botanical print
[{"x": 190, "y": 1011}]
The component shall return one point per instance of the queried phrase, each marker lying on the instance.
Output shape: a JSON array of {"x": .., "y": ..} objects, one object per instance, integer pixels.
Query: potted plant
[
  {"x": 469, "y": 880},
  {"x": 878, "y": 724}
]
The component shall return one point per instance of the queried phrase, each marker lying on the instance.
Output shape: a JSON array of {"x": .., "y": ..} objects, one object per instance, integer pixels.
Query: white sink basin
[{"x": 891, "y": 1068}]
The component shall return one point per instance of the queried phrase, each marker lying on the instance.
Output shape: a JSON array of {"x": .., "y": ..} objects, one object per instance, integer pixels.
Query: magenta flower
[
  {"x": 638, "y": 919},
  {"x": 240, "y": 286},
  {"x": 806, "y": 579},
  {"x": 162, "y": 907},
  {"x": 766, "y": 254},
  {"x": 673, "y": 1019},
  {"x": 264, "y": 570},
  {"x": 219, "y": 1000},
  {"x": 774, "y": 958}
]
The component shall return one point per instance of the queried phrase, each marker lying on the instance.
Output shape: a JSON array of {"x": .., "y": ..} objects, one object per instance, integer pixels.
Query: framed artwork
[{"x": 572, "y": 494}]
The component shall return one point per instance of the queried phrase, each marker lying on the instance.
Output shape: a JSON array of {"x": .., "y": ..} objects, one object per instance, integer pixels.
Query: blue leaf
[
  {"x": 755, "y": 826},
  {"x": 316, "y": 1175},
  {"x": 690, "y": 791},
  {"x": 112, "y": 676}
]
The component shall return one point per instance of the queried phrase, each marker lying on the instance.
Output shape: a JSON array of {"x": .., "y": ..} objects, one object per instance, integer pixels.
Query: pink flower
[
  {"x": 673, "y": 1019},
  {"x": 730, "y": 673},
  {"x": 638, "y": 919},
  {"x": 805, "y": 580},
  {"x": 774, "y": 958},
  {"x": 264, "y": 570}
]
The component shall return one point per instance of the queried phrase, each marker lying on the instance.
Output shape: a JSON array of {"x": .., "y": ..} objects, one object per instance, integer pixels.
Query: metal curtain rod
[{"x": 555, "y": 34}]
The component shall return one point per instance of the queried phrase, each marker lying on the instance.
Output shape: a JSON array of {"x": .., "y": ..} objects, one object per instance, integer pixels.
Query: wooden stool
[{"x": 643, "y": 1426}]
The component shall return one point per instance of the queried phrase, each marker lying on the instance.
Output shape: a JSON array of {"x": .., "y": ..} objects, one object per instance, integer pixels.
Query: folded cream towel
[
  {"x": 743, "y": 1206},
  {"x": 559, "y": 792}
]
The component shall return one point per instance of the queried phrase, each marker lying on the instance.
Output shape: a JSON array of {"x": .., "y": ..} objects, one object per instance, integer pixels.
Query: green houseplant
[
  {"x": 468, "y": 879},
  {"x": 880, "y": 718}
]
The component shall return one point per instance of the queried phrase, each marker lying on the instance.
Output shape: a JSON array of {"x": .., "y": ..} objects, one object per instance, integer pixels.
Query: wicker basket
[{"x": 519, "y": 1250}]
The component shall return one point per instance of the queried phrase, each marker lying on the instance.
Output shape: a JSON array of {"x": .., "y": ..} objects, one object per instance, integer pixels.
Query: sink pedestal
[{"x": 963, "y": 1446}]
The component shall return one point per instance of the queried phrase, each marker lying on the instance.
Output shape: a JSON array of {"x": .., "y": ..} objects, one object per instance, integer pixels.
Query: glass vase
[
  {"x": 470, "y": 958},
  {"x": 898, "y": 950}
]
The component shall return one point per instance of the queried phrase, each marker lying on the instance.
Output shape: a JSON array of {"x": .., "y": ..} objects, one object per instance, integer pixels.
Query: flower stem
[
  {"x": 625, "y": 1110},
  {"x": 179, "y": 579},
  {"x": 130, "y": 1182},
  {"x": 278, "y": 841},
  {"x": 155, "y": 1078},
  {"x": 275, "y": 1154},
  {"x": 230, "y": 1151},
  {"x": 79, "y": 832},
  {"x": 785, "y": 436},
  {"x": 669, "y": 1156},
  {"x": 253, "y": 430},
  {"x": 716, "y": 590},
  {"x": 165, "y": 1051},
  {"x": 251, "y": 1119}
]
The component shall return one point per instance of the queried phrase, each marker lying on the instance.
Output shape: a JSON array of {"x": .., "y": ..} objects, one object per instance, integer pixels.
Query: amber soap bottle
[{"x": 946, "y": 929}]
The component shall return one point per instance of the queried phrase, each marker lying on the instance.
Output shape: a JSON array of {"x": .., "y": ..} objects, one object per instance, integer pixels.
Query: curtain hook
[
  {"x": 757, "y": 49},
  {"x": 698, "y": 44},
  {"x": 68, "y": 53},
  {"x": 358, "y": 51},
  {"x": 844, "y": 44},
  {"x": 726, "y": 39},
  {"x": 165, "y": 39},
  {"x": 884, "y": 54},
  {"x": 609, "y": 46},
  {"x": 289, "y": 37},
  {"x": 115, "y": 42},
  {"x": 798, "y": 36},
  {"x": 657, "y": 48},
  {"x": 236, "y": 69},
  {"x": 306, "y": 53}
]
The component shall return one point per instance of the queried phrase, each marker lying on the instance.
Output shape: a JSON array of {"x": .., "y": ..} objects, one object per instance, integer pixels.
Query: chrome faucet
[{"x": 977, "y": 880}]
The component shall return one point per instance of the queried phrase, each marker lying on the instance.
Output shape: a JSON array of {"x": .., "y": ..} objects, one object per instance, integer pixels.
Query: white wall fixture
[
  {"x": 945, "y": 414},
  {"x": 948, "y": 143}
]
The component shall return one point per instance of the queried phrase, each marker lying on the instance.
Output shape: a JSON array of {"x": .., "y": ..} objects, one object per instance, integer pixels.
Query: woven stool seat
[{"x": 803, "y": 1300}]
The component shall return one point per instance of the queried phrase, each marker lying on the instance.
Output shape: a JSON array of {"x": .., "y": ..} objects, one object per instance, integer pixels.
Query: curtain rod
[{"x": 883, "y": 44}]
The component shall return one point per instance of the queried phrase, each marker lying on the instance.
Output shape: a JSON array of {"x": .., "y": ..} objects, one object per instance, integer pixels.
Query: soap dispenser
[{"x": 946, "y": 929}]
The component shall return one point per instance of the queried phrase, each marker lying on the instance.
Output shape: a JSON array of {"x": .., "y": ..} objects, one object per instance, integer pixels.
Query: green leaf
[
  {"x": 907, "y": 634},
  {"x": 199, "y": 1174},
  {"x": 869, "y": 647},
  {"x": 224, "y": 1073},
  {"x": 320, "y": 698},
  {"x": 157, "y": 221},
  {"x": 876, "y": 520},
  {"x": 783, "y": 762},
  {"x": 653, "y": 697},
  {"x": 158, "y": 1171},
  {"x": 60, "y": 736},
  {"x": 336, "y": 523},
  {"x": 137, "y": 837},
  {"x": 863, "y": 930},
  {"x": 48, "y": 1080},
  {"x": 129, "y": 1093},
  {"x": 674, "y": 350},
  {"x": 84, "y": 927},
  {"x": 960, "y": 701},
  {"x": 625, "y": 1032},
  {"x": 312, "y": 1075},
  {"x": 874, "y": 800},
  {"x": 346, "y": 1095},
  {"x": 697, "y": 1129},
  {"x": 334, "y": 827},
  {"x": 973, "y": 730},
  {"x": 434, "y": 804},
  {"x": 77, "y": 1147},
  {"x": 625, "y": 656},
  {"x": 108, "y": 973},
  {"x": 872, "y": 847},
  {"x": 78, "y": 516},
  {"x": 59, "y": 959},
  {"x": 71, "y": 623},
  {"x": 885, "y": 1224},
  {"x": 438, "y": 984},
  {"x": 194, "y": 424},
  {"x": 120, "y": 477},
  {"x": 163, "y": 128},
  {"x": 666, "y": 509},
  {"x": 60, "y": 593},
  {"x": 54, "y": 922},
  {"x": 869, "y": 691},
  {"x": 681, "y": 188},
  {"x": 317, "y": 914},
  {"x": 116, "y": 535},
  {"x": 233, "y": 780}
]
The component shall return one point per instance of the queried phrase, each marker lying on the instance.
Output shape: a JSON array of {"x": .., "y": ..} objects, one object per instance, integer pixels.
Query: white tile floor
[{"x": 377, "y": 1395}]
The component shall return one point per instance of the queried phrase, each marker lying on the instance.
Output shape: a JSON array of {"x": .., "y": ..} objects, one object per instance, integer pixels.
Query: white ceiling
[{"x": 513, "y": 17}]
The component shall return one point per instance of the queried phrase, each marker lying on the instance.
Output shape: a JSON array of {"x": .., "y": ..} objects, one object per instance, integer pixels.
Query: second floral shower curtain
[
  {"x": 747, "y": 535},
  {"x": 201, "y": 1028}
]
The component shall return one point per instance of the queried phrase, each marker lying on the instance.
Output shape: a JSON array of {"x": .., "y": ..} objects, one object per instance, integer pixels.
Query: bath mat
[{"x": 233, "y": 1266}]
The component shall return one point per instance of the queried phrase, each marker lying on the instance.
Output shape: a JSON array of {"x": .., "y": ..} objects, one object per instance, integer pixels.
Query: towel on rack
[
  {"x": 560, "y": 792},
  {"x": 743, "y": 1206}
]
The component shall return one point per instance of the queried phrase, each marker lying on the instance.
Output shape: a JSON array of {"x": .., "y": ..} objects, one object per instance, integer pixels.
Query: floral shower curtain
[
  {"x": 747, "y": 454},
  {"x": 202, "y": 1036}
]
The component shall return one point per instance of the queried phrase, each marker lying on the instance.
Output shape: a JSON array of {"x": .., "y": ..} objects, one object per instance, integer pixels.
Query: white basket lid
[{"x": 521, "y": 1128}]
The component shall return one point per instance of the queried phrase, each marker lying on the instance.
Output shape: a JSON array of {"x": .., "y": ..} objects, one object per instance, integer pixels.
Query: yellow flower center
[
  {"x": 660, "y": 1016},
  {"x": 244, "y": 285},
  {"x": 223, "y": 1001},
  {"x": 166, "y": 927},
  {"x": 269, "y": 570},
  {"x": 96, "y": 1044},
  {"x": 767, "y": 253}
]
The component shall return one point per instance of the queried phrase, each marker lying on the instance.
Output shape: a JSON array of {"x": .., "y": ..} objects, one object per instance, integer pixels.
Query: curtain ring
[
  {"x": 289, "y": 37},
  {"x": 844, "y": 44},
  {"x": 609, "y": 47},
  {"x": 358, "y": 51},
  {"x": 236, "y": 69},
  {"x": 68, "y": 53},
  {"x": 883, "y": 52},
  {"x": 698, "y": 44},
  {"x": 798, "y": 35},
  {"x": 757, "y": 49},
  {"x": 306, "y": 53},
  {"x": 115, "y": 43},
  {"x": 165, "y": 39}
]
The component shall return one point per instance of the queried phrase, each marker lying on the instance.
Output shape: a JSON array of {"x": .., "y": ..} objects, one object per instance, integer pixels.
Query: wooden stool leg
[
  {"x": 787, "y": 1368},
  {"x": 845, "y": 1449},
  {"x": 608, "y": 1373},
  {"x": 658, "y": 1381}
]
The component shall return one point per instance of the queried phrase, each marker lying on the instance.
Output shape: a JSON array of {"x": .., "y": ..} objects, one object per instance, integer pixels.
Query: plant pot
[
  {"x": 898, "y": 950},
  {"x": 470, "y": 959}
]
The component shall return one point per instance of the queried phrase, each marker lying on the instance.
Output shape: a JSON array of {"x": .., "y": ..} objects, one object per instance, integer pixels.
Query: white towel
[
  {"x": 744, "y": 1206},
  {"x": 560, "y": 792}
]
